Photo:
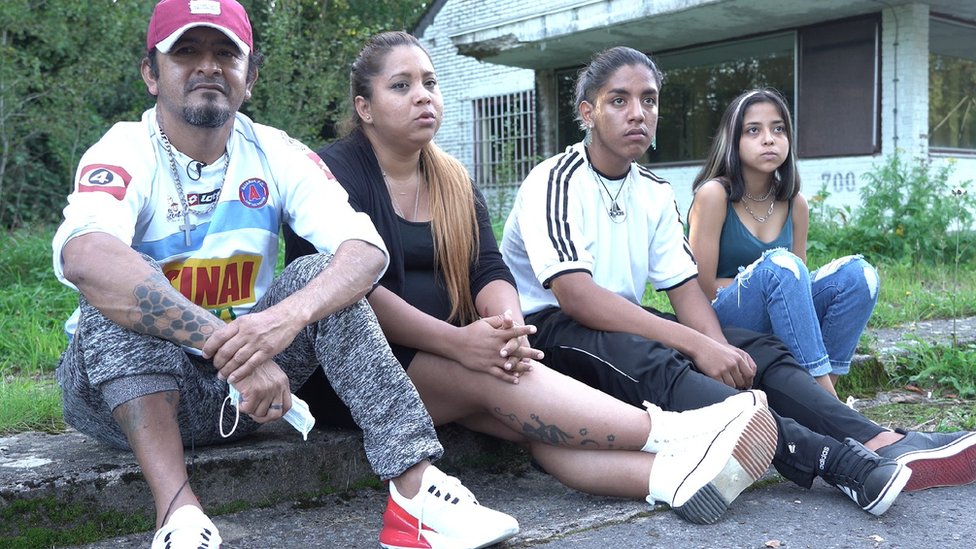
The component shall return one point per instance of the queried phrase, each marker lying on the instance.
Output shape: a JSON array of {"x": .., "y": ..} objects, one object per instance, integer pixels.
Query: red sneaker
[{"x": 444, "y": 515}]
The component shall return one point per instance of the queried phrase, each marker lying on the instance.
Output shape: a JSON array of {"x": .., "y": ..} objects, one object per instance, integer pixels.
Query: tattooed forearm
[
  {"x": 552, "y": 434},
  {"x": 159, "y": 310}
]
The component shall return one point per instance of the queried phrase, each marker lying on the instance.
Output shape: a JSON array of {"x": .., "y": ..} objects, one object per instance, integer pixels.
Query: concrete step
[{"x": 270, "y": 466}]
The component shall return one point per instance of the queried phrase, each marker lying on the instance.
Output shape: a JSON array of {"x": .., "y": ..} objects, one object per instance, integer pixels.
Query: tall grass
[
  {"x": 33, "y": 308},
  {"x": 33, "y": 304},
  {"x": 911, "y": 293}
]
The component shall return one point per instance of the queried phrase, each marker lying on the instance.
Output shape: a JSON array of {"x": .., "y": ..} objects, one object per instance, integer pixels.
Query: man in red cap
[{"x": 171, "y": 235}]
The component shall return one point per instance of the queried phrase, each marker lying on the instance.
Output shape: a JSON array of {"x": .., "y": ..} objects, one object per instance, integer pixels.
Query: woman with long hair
[{"x": 748, "y": 230}]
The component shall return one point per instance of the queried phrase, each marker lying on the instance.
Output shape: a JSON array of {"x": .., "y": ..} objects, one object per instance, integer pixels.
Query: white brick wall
[
  {"x": 461, "y": 78},
  {"x": 905, "y": 79}
]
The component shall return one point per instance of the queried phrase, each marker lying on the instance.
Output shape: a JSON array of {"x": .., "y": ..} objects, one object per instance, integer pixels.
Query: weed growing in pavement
[
  {"x": 863, "y": 381},
  {"x": 940, "y": 415},
  {"x": 942, "y": 370}
]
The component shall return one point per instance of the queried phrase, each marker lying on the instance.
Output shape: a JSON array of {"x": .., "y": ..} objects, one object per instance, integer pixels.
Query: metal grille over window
[{"x": 504, "y": 140}]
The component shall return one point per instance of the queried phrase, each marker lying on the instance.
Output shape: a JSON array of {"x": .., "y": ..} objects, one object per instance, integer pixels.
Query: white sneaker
[
  {"x": 187, "y": 528},
  {"x": 444, "y": 515},
  {"x": 670, "y": 430},
  {"x": 700, "y": 477}
]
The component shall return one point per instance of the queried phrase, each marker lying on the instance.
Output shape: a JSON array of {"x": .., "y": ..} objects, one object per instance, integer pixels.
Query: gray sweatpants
[{"x": 106, "y": 365}]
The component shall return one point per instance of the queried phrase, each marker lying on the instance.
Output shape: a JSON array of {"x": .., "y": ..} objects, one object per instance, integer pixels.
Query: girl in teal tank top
[{"x": 748, "y": 231}]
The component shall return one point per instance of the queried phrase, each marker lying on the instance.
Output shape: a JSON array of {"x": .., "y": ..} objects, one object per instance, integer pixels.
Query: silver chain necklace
[
  {"x": 762, "y": 198},
  {"x": 616, "y": 213},
  {"x": 764, "y": 218},
  {"x": 187, "y": 227},
  {"x": 416, "y": 196}
]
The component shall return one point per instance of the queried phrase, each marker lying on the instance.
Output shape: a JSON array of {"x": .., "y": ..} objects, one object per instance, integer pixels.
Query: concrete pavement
[{"x": 776, "y": 514}]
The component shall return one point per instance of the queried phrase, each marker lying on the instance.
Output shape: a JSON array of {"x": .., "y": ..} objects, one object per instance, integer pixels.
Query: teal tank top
[{"x": 739, "y": 248}]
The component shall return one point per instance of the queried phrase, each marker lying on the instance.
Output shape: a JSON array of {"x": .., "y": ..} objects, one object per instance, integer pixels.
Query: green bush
[{"x": 908, "y": 213}]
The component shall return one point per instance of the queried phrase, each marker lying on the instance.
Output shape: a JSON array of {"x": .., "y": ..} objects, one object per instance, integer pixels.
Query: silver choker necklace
[
  {"x": 187, "y": 227},
  {"x": 762, "y": 198}
]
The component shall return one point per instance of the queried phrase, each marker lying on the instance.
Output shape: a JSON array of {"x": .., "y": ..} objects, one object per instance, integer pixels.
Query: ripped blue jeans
[{"x": 818, "y": 315}]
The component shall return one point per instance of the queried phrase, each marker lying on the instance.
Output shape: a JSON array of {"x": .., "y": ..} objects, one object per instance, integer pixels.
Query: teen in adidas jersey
[
  {"x": 590, "y": 228},
  {"x": 578, "y": 234}
]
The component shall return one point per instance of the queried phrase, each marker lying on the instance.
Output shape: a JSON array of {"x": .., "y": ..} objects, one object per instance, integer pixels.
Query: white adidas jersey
[
  {"x": 561, "y": 223},
  {"x": 124, "y": 187}
]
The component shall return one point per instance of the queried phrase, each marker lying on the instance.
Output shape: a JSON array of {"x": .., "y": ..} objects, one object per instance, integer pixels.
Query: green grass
[
  {"x": 47, "y": 522},
  {"x": 911, "y": 293},
  {"x": 30, "y": 404},
  {"x": 942, "y": 370},
  {"x": 33, "y": 308},
  {"x": 33, "y": 304}
]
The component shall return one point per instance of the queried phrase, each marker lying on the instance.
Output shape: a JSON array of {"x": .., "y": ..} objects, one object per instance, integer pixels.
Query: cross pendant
[{"x": 186, "y": 227}]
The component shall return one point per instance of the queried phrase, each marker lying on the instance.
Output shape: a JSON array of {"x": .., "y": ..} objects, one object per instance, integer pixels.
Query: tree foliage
[{"x": 69, "y": 70}]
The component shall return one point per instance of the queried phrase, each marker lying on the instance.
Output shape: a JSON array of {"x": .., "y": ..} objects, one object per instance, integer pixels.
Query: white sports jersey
[
  {"x": 124, "y": 187},
  {"x": 560, "y": 223}
]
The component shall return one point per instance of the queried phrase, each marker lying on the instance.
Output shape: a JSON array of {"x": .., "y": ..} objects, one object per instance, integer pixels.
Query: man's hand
[
  {"x": 265, "y": 393},
  {"x": 249, "y": 341},
  {"x": 726, "y": 363}
]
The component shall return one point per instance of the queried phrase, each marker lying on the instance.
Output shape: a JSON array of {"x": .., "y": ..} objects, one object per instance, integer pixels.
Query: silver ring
[{"x": 277, "y": 406}]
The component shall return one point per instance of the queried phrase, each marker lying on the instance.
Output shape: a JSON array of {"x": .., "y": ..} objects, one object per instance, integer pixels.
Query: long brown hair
[
  {"x": 723, "y": 162},
  {"x": 454, "y": 223}
]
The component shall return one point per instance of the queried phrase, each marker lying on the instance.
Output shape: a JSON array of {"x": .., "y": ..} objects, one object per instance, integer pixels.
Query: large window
[
  {"x": 952, "y": 86},
  {"x": 837, "y": 111},
  {"x": 828, "y": 73},
  {"x": 504, "y": 138},
  {"x": 700, "y": 83}
]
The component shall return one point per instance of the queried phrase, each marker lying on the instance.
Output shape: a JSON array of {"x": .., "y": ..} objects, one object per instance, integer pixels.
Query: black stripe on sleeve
[
  {"x": 679, "y": 284},
  {"x": 557, "y": 206},
  {"x": 547, "y": 283}
]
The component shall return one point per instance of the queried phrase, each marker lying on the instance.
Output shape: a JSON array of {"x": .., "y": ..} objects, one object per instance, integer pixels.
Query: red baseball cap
[{"x": 171, "y": 18}]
